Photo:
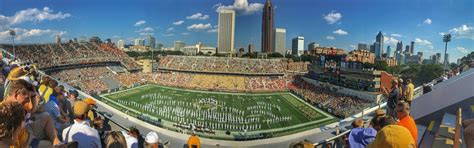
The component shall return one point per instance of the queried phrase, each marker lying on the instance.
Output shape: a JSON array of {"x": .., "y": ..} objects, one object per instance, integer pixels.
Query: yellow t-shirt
[
  {"x": 410, "y": 92},
  {"x": 47, "y": 93}
]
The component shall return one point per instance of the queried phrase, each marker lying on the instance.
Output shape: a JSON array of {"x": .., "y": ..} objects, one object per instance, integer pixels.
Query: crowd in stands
[
  {"x": 51, "y": 55},
  {"x": 337, "y": 104},
  {"x": 35, "y": 111},
  {"x": 384, "y": 130},
  {"x": 223, "y": 64}
]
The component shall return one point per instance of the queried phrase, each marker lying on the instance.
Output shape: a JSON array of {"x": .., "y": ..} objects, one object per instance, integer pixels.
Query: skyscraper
[
  {"x": 407, "y": 49},
  {"x": 58, "y": 39},
  {"x": 251, "y": 49},
  {"x": 179, "y": 45},
  {"x": 225, "y": 35},
  {"x": 412, "y": 49},
  {"x": 312, "y": 45},
  {"x": 151, "y": 42},
  {"x": 389, "y": 52},
  {"x": 379, "y": 50},
  {"x": 121, "y": 44},
  {"x": 362, "y": 46},
  {"x": 267, "y": 28},
  {"x": 297, "y": 46},
  {"x": 280, "y": 40},
  {"x": 400, "y": 46},
  {"x": 139, "y": 42}
]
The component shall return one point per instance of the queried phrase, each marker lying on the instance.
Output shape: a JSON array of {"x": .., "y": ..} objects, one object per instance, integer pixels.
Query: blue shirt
[{"x": 361, "y": 137}]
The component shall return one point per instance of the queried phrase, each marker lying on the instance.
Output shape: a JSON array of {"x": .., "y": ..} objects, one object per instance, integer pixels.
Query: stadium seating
[{"x": 53, "y": 55}]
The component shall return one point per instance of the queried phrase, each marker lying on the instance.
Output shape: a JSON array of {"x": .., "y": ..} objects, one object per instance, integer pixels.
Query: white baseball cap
[{"x": 152, "y": 137}]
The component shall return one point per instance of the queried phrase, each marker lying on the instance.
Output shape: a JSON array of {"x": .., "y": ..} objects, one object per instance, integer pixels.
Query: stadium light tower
[
  {"x": 13, "y": 33},
  {"x": 446, "y": 39}
]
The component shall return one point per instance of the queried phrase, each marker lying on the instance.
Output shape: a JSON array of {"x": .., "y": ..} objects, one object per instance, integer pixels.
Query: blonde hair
[{"x": 115, "y": 139}]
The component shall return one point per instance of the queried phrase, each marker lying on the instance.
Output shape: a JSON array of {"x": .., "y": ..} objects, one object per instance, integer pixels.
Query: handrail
[{"x": 457, "y": 131}]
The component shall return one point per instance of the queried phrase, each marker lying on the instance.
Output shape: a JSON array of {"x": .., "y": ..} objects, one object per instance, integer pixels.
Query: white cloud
[
  {"x": 340, "y": 32},
  {"x": 214, "y": 29},
  {"x": 167, "y": 35},
  {"x": 330, "y": 38},
  {"x": 145, "y": 31},
  {"x": 217, "y": 5},
  {"x": 23, "y": 34},
  {"x": 427, "y": 21},
  {"x": 464, "y": 31},
  {"x": 423, "y": 42},
  {"x": 170, "y": 29},
  {"x": 198, "y": 16},
  {"x": 352, "y": 46},
  {"x": 31, "y": 14},
  {"x": 395, "y": 35},
  {"x": 140, "y": 22},
  {"x": 241, "y": 7},
  {"x": 185, "y": 33},
  {"x": 178, "y": 23},
  {"x": 462, "y": 49},
  {"x": 199, "y": 27},
  {"x": 333, "y": 17},
  {"x": 390, "y": 40}
]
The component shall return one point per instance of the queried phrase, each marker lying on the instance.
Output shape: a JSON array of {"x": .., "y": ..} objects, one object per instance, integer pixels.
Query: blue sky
[{"x": 338, "y": 23}]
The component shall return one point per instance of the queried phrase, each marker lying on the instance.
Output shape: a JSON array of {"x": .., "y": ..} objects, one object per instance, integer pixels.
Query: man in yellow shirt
[{"x": 410, "y": 91}]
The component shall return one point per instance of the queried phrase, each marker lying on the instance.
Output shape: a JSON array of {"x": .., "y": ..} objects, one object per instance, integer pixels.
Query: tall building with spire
[
  {"x": 267, "y": 28},
  {"x": 379, "y": 45},
  {"x": 399, "y": 46}
]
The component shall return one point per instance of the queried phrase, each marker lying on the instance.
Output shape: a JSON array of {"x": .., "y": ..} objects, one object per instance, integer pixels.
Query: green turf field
[{"x": 268, "y": 112}]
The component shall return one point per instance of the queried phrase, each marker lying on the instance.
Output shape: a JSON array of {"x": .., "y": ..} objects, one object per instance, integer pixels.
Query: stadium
[
  {"x": 245, "y": 99},
  {"x": 317, "y": 78}
]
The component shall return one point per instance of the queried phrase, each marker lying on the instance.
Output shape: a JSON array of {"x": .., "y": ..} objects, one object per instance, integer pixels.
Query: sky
[{"x": 330, "y": 23}]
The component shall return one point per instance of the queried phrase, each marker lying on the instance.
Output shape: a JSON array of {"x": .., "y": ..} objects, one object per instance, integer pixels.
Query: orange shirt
[{"x": 410, "y": 124}]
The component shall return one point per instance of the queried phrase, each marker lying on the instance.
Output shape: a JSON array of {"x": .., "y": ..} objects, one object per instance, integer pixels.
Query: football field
[{"x": 218, "y": 111}]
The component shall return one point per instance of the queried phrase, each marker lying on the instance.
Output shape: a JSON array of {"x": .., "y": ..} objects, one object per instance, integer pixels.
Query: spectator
[
  {"x": 381, "y": 121},
  {"x": 393, "y": 96},
  {"x": 132, "y": 137},
  {"x": 401, "y": 88},
  {"x": 359, "y": 136},
  {"x": 393, "y": 136},
  {"x": 98, "y": 124},
  {"x": 410, "y": 91},
  {"x": 65, "y": 107},
  {"x": 469, "y": 132},
  {"x": 91, "y": 114},
  {"x": 81, "y": 131},
  {"x": 115, "y": 139},
  {"x": 41, "y": 128},
  {"x": 22, "y": 92},
  {"x": 44, "y": 90},
  {"x": 152, "y": 140},
  {"x": 194, "y": 142},
  {"x": 403, "y": 114},
  {"x": 73, "y": 94},
  {"x": 12, "y": 117},
  {"x": 52, "y": 108}
]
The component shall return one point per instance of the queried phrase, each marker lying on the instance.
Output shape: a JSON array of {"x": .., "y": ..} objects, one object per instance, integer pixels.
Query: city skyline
[{"x": 338, "y": 23}]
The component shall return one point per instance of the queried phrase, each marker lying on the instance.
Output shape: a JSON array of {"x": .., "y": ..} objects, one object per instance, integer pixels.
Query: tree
[{"x": 381, "y": 65}]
